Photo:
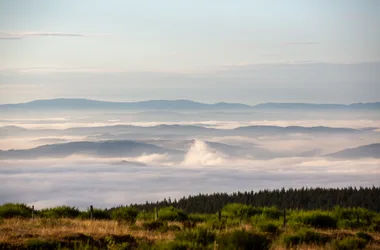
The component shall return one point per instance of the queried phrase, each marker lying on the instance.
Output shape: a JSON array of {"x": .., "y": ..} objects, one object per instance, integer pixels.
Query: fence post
[
  {"x": 91, "y": 212},
  {"x": 33, "y": 212},
  {"x": 284, "y": 217},
  {"x": 220, "y": 215}
]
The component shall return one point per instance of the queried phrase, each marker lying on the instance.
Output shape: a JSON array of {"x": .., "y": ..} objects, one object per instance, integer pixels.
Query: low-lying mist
[
  {"x": 110, "y": 159},
  {"x": 109, "y": 182}
]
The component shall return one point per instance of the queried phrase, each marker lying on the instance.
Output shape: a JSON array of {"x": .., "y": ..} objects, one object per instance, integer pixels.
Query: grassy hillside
[{"x": 236, "y": 226}]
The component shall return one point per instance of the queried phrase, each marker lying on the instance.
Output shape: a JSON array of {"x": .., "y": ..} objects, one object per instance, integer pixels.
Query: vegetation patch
[
  {"x": 241, "y": 240},
  {"x": 172, "y": 214},
  {"x": 11, "y": 210},
  {"x": 270, "y": 228},
  {"x": 306, "y": 237},
  {"x": 199, "y": 236},
  {"x": 317, "y": 220},
  {"x": 125, "y": 214},
  {"x": 351, "y": 243},
  {"x": 60, "y": 212}
]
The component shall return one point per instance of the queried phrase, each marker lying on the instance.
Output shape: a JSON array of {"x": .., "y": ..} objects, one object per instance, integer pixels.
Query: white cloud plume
[{"x": 200, "y": 155}]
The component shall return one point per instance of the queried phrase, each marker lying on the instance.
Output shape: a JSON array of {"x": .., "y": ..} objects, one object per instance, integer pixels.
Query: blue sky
[{"x": 138, "y": 50}]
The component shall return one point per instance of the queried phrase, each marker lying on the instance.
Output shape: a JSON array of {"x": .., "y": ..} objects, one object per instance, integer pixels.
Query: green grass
[{"x": 238, "y": 226}]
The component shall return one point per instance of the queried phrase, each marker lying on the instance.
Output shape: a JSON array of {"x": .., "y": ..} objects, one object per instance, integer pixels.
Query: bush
[
  {"x": 364, "y": 236},
  {"x": 306, "y": 237},
  {"x": 241, "y": 240},
  {"x": 10, "y": 210},
  {"x": 351, "y": 224},
  {"x": 174, "y": 228},
  {"x": 272, "y": 213},
  {"x": 200, "y": 236},
  {"x": 375, "y": 226},
  {"x": 60, "y": 212},
  {"x": 155, "y": 225},
  {"x": 120, "y": 242},
  {"x": 216, "y": 224},
  {"x": 41, "y": 244},
  {"x": 350, "y": 244},
  {"x": 189, "y": 224},
  {"x": 241, "y": 211},
  {"x": 127, "y": 214},
  {"x": 97, "y": 214},
  {"x": 269, "y": 228},
  {"x": 318, "y": 220},
  {"x": 143, "y": 215},
  {"x": 198, "y": 217},
  {"x": 172, "y": 214}
]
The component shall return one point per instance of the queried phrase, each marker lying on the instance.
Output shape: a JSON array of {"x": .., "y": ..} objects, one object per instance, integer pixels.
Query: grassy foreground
[{"x": 236, "y": 226}]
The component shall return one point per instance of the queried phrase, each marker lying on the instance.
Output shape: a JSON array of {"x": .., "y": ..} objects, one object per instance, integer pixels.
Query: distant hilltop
[{"x": 67, "y": 103}]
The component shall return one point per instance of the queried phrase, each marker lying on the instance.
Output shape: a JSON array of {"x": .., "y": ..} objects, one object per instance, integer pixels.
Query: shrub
[
  {"x": 351, "y": 224},
  {"x": 269, "y": 228},
  {"x": 236, "y": 210},
  {"x": 216, "y": 224},
  {"x": 120, "y": 242},
  {"x": 174, "y": 228},
  {"x": 353, "y": 213},
  {"x": 198, "y": 217},
  {"x": 127, "y": 214},
  {"x": 306, "y": 237},
  {"x": 200, "y": 236},
  {"x": 41, "y": 244},
  {"x": 171, "y": 214},
  {"x": 60, "y": 212},
  {"x": 376, "y": 226},
  {"x": 241, "y": 240},
  {"x": 364, "y": 236},
  {"x": 143, "y": 215},
  {"x": 318, "y": 220},
  {"x": 155, "y": 225},
  {"x": 272, "y": 213},
  {"x": 98, "y": 214},
  {"x": 10, "y": 210},
  {"x": 350, "y": 244},
  {"x": 189, "y": 224}
]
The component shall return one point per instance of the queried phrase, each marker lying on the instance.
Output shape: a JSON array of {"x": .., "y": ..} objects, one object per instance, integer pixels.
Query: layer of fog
[
  {"x": 103, "y": 182},
  {"x": 221, "y": 119},
  {"x": 205, "y": 167}
]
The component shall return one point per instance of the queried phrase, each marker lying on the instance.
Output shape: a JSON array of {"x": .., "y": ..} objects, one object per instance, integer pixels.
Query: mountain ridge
[
  {"x": 82, "y": 103},
  {"x": 365, "y": 151}
]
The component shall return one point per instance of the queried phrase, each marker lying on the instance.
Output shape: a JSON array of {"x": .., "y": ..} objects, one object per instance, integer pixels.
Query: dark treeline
[{"x": 304, "y": 198}]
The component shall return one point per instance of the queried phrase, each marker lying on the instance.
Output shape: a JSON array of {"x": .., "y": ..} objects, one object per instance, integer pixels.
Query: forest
[{"x": 304, "y": 198}]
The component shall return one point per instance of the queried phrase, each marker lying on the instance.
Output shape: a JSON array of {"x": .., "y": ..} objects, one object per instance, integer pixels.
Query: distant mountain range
[
  {"x": 85, "y": 104},
  {"x": 366, "y": 151},
  {"x": 128, "y": 131},
  {"x": 176, "y": 149},
  {"x": 98, "y": 149}
]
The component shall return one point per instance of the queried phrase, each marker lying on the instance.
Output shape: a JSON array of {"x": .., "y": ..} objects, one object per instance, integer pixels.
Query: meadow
[{"x": 235, "y": 226}]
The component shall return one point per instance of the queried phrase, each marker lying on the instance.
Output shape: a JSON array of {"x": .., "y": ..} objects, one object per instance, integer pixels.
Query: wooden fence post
[
  {"x": 33, "y": 212},
  {"x": 220, "y": 215},
  {"x": 91, "y": 212},
  {"x": 284, "y": 217}
]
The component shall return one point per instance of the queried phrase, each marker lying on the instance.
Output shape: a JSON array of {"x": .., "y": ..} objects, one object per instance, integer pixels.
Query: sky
[{"x": 247, "y": 51}]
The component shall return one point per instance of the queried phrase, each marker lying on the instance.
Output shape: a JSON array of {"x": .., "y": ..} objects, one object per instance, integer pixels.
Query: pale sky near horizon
[{"x": 238, "y": 51}]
